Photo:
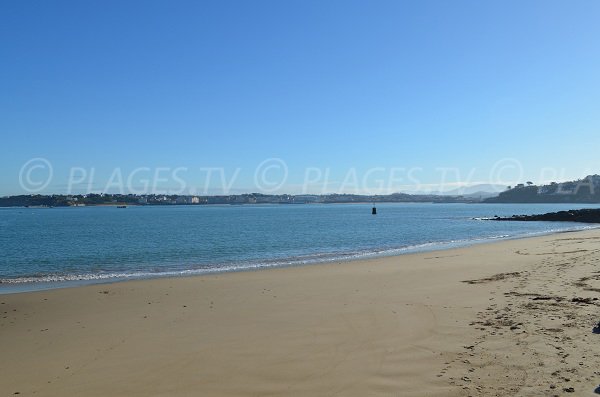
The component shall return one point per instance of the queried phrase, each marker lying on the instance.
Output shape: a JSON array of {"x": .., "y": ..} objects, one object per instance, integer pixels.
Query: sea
[{"x": 43, "y": 248}]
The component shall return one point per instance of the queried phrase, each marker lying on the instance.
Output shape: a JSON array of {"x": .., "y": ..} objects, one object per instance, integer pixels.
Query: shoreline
[
  {"x": 510, "y": 317},
  {"x": 13, "y": 287}
]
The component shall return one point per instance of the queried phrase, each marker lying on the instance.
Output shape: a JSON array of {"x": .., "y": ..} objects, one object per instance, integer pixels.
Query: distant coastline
[
  {"x": 585, "y": 190},
  {"x": 59, "y": 200}
]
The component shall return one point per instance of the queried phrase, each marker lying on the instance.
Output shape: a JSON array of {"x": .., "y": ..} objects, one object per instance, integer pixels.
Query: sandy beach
[{"x": 500, "y": 319}]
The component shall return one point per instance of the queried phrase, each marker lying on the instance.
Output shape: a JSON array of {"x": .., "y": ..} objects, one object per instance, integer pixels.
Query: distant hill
[
  {"x": 476, "y": 191},
  {"x": 479, "y": 191},
  {"x": 586, "y": 190}
]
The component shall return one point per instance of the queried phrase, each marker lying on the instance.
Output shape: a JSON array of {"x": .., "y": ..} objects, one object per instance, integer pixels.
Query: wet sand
[{"x": 501, "y": 319}]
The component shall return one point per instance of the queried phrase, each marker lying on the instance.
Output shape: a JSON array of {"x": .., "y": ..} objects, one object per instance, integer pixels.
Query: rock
[{"x": 584, "y": 215}]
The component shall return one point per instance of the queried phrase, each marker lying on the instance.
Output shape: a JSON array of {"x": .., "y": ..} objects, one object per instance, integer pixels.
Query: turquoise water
[{"x": 41, "y": 248}]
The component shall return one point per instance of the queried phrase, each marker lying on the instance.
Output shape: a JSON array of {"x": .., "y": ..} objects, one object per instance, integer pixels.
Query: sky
[{"x": 196, "y": 97}]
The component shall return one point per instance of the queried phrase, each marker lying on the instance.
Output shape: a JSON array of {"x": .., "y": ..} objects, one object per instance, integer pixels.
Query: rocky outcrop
[{"x": 584, "y": 215}]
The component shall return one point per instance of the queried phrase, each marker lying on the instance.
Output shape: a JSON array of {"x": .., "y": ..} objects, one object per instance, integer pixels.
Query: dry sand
[{"x": 400, "y": 326}]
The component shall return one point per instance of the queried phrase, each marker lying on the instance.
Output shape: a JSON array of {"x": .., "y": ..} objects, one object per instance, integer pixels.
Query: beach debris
[
  {"x": 553, "y": 330},
  {"x": 542, "y": 298},
  {"x": 569, "y": 390},
  {"x": 587, "y": 301},
  {"x": 534, "y": 297},
  {"x": 596, "y": 329},
  {"x": 495, "y": 277}
]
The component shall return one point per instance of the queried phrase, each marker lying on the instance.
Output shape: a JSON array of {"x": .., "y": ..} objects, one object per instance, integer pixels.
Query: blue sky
[{"x": 428, "y": 93}]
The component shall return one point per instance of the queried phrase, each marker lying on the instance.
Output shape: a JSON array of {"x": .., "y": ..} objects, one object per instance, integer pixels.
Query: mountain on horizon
[{"x": 482, "y": 190}]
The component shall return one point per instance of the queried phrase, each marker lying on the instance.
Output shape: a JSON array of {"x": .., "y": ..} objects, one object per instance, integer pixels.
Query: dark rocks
[{"x": 584, "y": 215}]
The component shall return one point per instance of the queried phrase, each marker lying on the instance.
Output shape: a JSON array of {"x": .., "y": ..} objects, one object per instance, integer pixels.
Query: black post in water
[{"x": 374, "y": 211}]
